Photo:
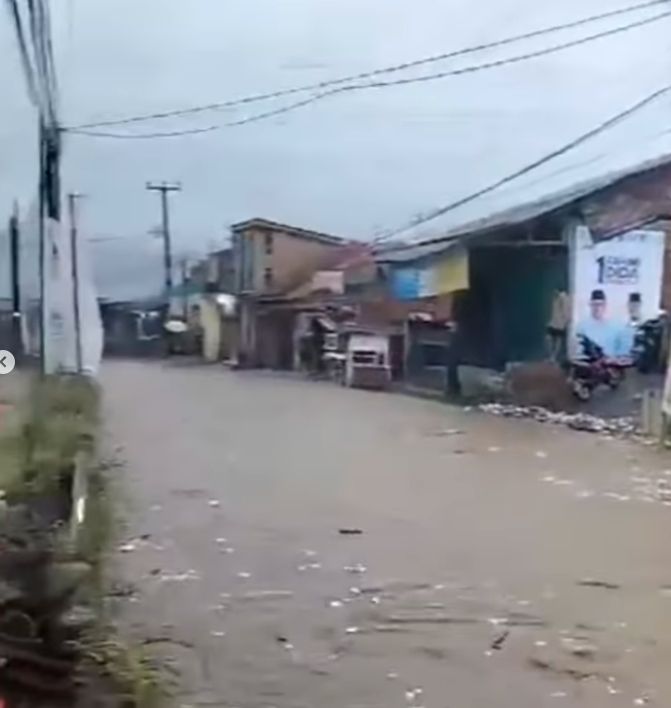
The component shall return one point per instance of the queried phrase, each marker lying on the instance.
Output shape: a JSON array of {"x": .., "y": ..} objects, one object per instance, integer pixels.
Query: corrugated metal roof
[
  {"x": 410, "y": 252},
  {"x": 518, "y": 214}
]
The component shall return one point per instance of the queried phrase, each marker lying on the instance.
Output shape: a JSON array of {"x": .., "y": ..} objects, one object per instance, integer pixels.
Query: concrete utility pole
[
  {"x": 15, "y": 271},
  {"x": 164, "y": 188},
  {"x": 184, "y": 268},
  {"x": 74, "y": 263}
]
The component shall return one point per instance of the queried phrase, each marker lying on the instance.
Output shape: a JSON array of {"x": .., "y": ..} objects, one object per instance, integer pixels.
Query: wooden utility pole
[
  {"x": 164, "y": 188},
  {"x": 74, "y": 266}
]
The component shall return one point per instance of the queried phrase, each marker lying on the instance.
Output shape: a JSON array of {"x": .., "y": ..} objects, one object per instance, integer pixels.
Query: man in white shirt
[{"x": 603, "y": 332}]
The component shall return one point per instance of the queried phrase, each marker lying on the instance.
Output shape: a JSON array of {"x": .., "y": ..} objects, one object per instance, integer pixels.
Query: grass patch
[
  {"x": 49, "y": 460},
  {"x": 129, "y": 669},
  {"x": 58, "y": 421}
]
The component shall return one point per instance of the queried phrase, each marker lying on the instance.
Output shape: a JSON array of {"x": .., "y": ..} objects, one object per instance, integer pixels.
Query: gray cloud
[{"x": 350, "y": 164}]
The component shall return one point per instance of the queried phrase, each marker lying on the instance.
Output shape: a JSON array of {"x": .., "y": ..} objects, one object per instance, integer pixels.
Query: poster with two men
[{"x": 616, "y": 285}]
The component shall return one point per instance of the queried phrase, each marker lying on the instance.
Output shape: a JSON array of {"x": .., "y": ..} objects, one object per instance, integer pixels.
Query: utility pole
[
  {"x": 184, "y": 268},
  {"x": 74, "y": 263},
  {"x": 164, "y": 188},
  {"x": 17, "y": 340}
]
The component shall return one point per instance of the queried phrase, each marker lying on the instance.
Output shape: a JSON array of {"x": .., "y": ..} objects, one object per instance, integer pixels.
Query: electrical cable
[
  {"x": 370, "y": 74},
  {"x": 43, "y": 60},
  {"x": 26, "y": 62},
  {"x": 584, "y": 137},
  {"x": 373, "y": 85}
]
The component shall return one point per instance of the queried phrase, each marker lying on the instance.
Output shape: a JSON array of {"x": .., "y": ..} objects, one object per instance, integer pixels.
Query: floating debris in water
[
  {"x": 335, "y": 603},
  {"x": 214, "y": 503},
  {"x": 541, "y": 455},
  {"x": 244, "y": 575},
  {"x": 494, "y": 448},
  {"x": 352, "y": 630},
  {"x": 350, "y": 531}
]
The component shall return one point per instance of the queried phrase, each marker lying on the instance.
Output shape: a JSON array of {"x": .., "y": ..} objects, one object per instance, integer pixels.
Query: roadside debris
[
  {"x": 267, "y": 595},
  {"x": 413, "y": 693},
  {"x": 594, "y": 583},
  {"x": 356, "y": 568},
  {"x": 576, "y": 421},
  {"x": 499, "y": 641},
  {"x": 178, "y": 577},
  {"x": 309, "y": 566},
  {"x": 579, "y": 647},
  {"x": 548, "y": 666}
]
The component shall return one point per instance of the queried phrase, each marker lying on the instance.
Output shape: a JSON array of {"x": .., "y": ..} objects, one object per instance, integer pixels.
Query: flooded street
[{"x": 301, "y": 545}]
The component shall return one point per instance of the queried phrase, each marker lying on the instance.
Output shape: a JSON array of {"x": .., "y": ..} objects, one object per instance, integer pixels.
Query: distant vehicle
[
  {"x": 594, "y": 369},
  {"x": 367, "y": 361}
]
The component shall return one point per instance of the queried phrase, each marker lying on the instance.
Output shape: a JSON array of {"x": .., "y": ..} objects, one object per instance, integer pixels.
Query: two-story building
[{"x": 270, "y": 260}]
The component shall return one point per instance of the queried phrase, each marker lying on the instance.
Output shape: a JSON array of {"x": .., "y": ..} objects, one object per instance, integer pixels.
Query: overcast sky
[{"x": 352, "y": 164}]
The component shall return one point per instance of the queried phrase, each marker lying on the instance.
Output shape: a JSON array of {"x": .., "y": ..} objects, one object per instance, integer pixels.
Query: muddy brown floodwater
[{"x": 501, "y": 562}]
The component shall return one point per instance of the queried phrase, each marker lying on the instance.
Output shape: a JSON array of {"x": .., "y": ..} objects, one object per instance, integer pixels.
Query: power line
[
  {"x": 370, "y": 74},
  {"x": 375, "y": 85},
  {"x": 609, "y": 123},
  {"x": 43, "y": 55},
  {"x": 26, "y": 63}
]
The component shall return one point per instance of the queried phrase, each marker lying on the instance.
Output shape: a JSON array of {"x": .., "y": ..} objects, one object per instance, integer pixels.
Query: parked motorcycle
[
  {"x": 648, "y": 344},
  {"x": 593, "y": 369}
]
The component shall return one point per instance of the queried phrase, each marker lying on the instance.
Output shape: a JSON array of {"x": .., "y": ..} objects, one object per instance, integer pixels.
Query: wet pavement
[{"x": 500, "y": 562}]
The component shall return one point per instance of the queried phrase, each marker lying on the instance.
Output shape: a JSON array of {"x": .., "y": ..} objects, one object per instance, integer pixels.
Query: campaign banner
[{"x": 616, "y": 285}]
